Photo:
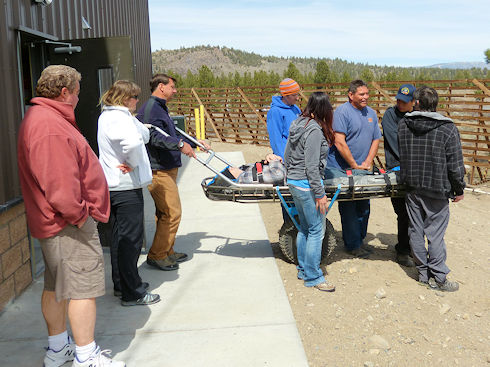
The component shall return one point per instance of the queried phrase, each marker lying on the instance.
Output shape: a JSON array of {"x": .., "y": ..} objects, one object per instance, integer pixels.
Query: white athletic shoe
[
  {"x": 98, "y": 359},
  {"x": 56, "y": 359}
]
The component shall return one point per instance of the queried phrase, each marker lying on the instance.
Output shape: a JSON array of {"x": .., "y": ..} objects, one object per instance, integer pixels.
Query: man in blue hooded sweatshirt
[{"x": 282, "y": 112}]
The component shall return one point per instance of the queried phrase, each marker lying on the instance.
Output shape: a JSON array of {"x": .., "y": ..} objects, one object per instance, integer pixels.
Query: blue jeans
[
  {"x": 309, "y": 240},
  {"x": 353, "y": 214}
]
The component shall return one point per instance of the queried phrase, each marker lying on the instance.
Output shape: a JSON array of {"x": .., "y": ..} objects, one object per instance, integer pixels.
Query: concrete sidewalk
[{"x": 226, "y": 306}]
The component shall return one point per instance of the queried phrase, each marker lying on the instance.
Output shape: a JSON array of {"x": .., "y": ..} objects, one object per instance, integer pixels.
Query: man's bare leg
[
  {"x": 82, "y": 315},
  {"x": 54, "y": 313}
]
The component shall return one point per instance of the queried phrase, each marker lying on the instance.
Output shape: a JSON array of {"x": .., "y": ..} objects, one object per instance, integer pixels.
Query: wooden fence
[{"x": 239, "y": 114}]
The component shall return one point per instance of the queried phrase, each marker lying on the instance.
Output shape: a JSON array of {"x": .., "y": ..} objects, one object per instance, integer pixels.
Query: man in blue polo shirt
[{"x": 357, "y": 137}]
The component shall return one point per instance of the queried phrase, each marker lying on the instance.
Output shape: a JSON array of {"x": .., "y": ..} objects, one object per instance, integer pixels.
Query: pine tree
[
  {"x": 205, "y": 77},
  {"x": 293, "y": 73},
  {"x": 367, "y": 75},
  {"x": 247, "y": 79},
  {"x": 237, "y": 79},
  {"x": 274, "y": 78},
  {"x": 345, "y": 78},
  {"x": 260, "y": 78},
  {"x": 323, "y": 74}
]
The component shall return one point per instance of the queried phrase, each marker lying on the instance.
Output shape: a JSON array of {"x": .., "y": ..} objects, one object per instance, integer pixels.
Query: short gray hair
[{"x": 54, "y": 78}]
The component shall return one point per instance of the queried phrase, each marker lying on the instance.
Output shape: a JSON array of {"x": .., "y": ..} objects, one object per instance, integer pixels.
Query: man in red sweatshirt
[{"x": 65, "y": 193}]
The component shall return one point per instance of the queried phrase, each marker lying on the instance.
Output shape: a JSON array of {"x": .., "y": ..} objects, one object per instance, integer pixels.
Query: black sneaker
[
  {"x": 358, "y": 252},
  {"x": 405, "y": 260},
  {"x": 367, "y": 248},
  {"x": 147, "y": 299},
  {"x": 118, "y": 293},
  {"x": 446, "y": 286}
]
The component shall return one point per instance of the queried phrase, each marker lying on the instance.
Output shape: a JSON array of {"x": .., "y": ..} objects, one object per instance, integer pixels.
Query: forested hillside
[{"x": 208, "y": 66}]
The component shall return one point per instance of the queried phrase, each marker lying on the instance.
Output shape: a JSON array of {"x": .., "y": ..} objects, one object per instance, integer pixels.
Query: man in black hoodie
[
  {"x": 391, "y": 118},
  {"x": 431, "y": 165}
]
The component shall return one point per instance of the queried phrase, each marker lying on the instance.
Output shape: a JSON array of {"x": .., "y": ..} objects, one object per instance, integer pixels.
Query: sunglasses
[{"x": 135, "y": 97}]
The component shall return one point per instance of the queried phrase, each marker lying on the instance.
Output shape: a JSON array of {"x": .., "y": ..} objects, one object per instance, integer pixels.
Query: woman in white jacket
[{"x": 122, "y": 154}]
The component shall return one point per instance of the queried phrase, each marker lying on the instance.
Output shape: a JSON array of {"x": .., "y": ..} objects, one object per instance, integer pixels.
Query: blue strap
[
  {"x": 339, "y": 186},
  {"x": 290, "y": 209}
]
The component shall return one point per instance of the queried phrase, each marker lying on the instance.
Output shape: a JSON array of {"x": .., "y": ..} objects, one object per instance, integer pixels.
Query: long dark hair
[{"x": 320, "y": 110}]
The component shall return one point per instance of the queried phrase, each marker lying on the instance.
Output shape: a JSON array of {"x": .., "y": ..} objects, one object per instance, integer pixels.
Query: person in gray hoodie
[
  {"x": 305, "y": 157},
  {"x": 432, "y": 168}
]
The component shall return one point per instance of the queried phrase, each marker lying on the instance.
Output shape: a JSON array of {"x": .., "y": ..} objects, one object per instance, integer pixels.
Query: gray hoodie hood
[
  {"x": 306, "y": 153},
  {"x": 421, "y": 122},
  {"x": 300, "y": 127}
]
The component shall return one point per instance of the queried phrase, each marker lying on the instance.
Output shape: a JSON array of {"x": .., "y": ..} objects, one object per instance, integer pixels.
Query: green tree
[
  {"x": 293, "y": 73},
  {"x": 404, "y": 75},
  {"x": 221, "y": 81},
  {"x": 189, "y": 81},
  {"x": 345, "y": 78},
  {"x": 247, "y": 78},
  {"x": 261, "y": 78},
  {"x": 205, "y": 77},
  {"x": 237, "y": 79},
  {"x": 391, "y": 76},
  {"x": 308, "y": 78},
  {"x": 274, "y": 78},
  {"x": 367, "y": 75},
  {"x": 323, "y": 74},
  {"x": 462, "y": 74},
  {"x": 421, "y": 75},
  {"x": 487, "y": 56}
]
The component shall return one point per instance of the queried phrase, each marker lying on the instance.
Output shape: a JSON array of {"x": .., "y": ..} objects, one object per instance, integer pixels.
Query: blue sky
[{"x": 402, "y": 33}]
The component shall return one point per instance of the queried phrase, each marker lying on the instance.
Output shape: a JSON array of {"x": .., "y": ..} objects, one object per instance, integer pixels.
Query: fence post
[
  {"x": 207, "y": 115},
  {"x": 486, "y": 91},
  {"x": 383, "y": 92},
  {"x": 250, "y": 105},
  {"x": 481, "y": 86}
]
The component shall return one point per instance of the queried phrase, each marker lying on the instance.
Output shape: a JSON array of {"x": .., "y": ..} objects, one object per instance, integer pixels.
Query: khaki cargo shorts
[{"x": 74, "y": 263}]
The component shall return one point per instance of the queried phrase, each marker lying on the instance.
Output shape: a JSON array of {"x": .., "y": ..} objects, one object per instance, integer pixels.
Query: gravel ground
[{"x": 379, "y": 315}]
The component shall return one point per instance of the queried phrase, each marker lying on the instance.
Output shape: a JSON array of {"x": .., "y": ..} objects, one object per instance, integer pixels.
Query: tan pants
[{"x": 168, "y": 212}]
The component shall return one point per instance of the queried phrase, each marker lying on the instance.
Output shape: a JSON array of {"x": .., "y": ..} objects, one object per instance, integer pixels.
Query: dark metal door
[{"x": 101, "y": 62}]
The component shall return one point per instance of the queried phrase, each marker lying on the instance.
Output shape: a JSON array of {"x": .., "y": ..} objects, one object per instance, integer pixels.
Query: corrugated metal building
[{"x": 105, "y": 40}]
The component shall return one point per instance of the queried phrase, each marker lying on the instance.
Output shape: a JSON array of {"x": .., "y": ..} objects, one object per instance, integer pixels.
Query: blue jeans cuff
[{"x": 312, "y": 283}]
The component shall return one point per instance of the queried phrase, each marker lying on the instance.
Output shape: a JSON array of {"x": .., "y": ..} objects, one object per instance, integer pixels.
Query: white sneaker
[
  {"x": 98, "y": 359},
  {"x": 56, "y": 359}
]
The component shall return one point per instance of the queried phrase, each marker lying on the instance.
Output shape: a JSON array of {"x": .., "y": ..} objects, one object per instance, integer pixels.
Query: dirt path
[{"x": 379, "y": 315}]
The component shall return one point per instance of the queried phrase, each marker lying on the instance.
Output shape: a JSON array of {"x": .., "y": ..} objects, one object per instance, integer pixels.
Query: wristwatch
[{"x": 181, "y": 144}]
